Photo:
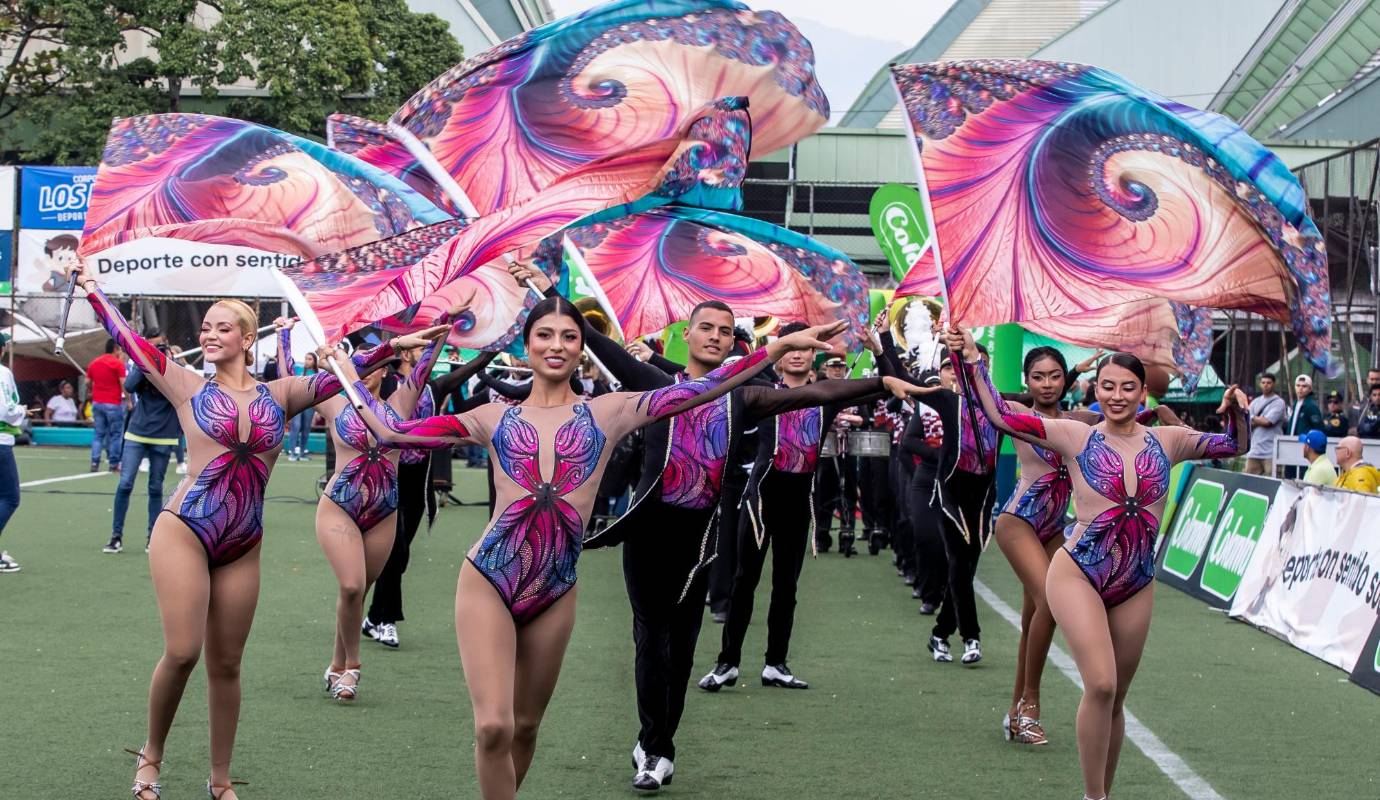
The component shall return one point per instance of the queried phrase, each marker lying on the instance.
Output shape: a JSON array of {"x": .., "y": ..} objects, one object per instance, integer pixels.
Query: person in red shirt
[{"x": 106, "y": 375}]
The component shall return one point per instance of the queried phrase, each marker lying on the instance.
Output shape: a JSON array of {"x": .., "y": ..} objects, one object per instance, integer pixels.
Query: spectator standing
[
  {"x": 300, "y": 432},
  {"x": 62, "y": 407},
  {"x": 1356, "y": 474},
  {"x": 1304, "y": 416},
  {"x": 1368, "y": 421},
  {"x": 107, "y": 376},
  {"x": 153, "y": 434},
  {"x": 1335, "y": 422},
  {"x": 12, "y": 413},
  {"x": 1320, "y": 470},
  {"x": 1267, "y": 412}
]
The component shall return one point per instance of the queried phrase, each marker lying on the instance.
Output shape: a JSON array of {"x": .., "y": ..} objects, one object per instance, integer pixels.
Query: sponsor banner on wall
[
  {"x": 55, "y": 198},
  {"x": 1314, "y": 579},
  {"x": 1215, "y": 531},
  {"x": 150, "y": 266}
]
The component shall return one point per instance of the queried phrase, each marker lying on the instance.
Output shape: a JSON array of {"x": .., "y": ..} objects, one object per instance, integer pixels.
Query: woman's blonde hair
[{"x": 248, "y": 320}]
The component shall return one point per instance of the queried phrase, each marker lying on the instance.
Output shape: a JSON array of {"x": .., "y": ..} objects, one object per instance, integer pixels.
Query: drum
[
  {"x": 872, "y": 444},
  {"x": 829, "y": 448}
]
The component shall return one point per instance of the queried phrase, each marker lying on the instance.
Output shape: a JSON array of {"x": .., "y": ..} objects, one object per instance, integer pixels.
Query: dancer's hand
[
  {"x": 959, "y": 340},
  {"x": 419, "y": 339},
  {"x": 77, "y": 269},
  {"x": 640, "y": 351},
  {"x": 1233, "y": 397},
  {"x": 523, "y": 272},
  {"x": 284, "y": 323},
  {"x": 816, "y": 338},
  {"x": 326, "y": 356},
  {"x": 1088, "y": 363},
  {"x": 903, "y": 390}
]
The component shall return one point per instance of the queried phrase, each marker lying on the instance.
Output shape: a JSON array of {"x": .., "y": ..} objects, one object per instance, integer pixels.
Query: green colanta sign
[
  {"x": 1193, "y": 525},
  {"x": 898, "y": 222},
  {"x": 1233, "y": 543}
]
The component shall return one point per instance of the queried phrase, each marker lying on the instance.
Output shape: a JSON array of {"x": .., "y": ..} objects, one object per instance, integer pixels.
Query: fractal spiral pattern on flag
[
  {"x": 509, "y": 122},
  {"x": 1067, "y": 199}
]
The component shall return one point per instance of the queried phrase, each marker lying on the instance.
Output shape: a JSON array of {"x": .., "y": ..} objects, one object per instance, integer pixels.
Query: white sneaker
[
  {"x": 639, "y": 755},
  {"x": 144, "y": 465},
  {"x": 940, "y": 648},
  {"x": 972, "y": 651},
  {"x": 655, "y": 773},
  {"x": 386, "y": 634},
  {"x": 8, "y": 564},
  {"x": 723, "y": 675},
  {"x": 182, "y": 468},
  {"x": 780, "y": 675}
]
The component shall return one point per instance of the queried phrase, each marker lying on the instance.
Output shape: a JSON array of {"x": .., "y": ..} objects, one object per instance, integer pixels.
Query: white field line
[{"x": 65, "y": 478}]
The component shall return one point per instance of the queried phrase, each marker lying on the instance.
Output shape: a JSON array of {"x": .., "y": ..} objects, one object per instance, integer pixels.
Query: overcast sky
[{"x": 869, "y": 32}]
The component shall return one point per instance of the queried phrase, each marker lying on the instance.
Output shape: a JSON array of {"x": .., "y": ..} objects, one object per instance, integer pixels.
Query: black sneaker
[
  {"x": 723, "y": 675},
  {"x": 113, "y": 546},
  {"x": 928, "y": 609},
  {"x": 95, "y": 466}
]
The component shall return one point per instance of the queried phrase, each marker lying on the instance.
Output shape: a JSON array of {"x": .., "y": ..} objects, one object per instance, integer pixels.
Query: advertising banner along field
[
  {"x": 1300, "y": 562},
  {"x": 1216, "y": 529},
  {"x": 1314, "y": 580}
]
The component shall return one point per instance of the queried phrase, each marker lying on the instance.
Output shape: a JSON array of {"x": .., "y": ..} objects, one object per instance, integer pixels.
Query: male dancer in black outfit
[
  {"x": 774, "y": 514},
  {"x": 668, "y": 532}
]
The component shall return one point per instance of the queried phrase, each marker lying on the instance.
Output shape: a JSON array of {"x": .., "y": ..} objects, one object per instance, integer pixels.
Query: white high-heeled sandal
[
  {"x": 346, "y": 692},
  {"x": 330, "y": 678},
  {"x": 140, "y": 787}
]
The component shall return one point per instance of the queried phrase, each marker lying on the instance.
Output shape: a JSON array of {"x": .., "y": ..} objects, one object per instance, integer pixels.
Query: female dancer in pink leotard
[
  {"x": 204, "y": 551},
  {"x": 515, "y": 600}
]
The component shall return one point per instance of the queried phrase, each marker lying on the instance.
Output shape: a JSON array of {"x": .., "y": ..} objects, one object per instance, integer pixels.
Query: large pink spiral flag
[
  {"x": 213, "y": 180},
  {"x": 506, "y": 124},
  {"x": 654, "y": 267},
  {"x": 1060, "y": 192},
  {"x": 407, "y": 280}
]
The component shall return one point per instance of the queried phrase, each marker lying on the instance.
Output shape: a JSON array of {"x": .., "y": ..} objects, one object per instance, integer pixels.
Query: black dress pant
[
  {"x": 970, "y": 497},
  {"x": 874, "y": 491},
  {"x": 898, "y": 488},
  {"x": 786, "y": 520},
  {"x": 413, "y": 484},
  {"x": 836, "y": 492},
  {"x": 931, "y": 561},
  {"x": 656, "y": 567},
  {"x": 726, "y": 545}
]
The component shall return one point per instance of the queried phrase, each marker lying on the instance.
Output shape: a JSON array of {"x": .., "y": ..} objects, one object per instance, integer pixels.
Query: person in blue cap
[{"x": 1320, "y": 472}]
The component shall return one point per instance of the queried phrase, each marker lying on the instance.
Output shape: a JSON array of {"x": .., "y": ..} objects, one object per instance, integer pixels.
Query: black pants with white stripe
[
  {"x": 786, "y": 519},
  {"x": 657, "y": 564}
]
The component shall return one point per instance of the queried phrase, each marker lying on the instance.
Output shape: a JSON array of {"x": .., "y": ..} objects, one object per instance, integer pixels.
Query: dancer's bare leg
[
  {"x": 182, "y": 584},
  {"x": 1030, "y": 562},
  {"x": 540, "y": 650},
  {"x": 1078, "y": 609},
  {"x": 1040, "y": 634},
  {"x": 487, "y": 638},
  {"x": 234, "y": 596},
  {"x": 356, "y": 561},
  {"x": 1130, "y": 627}
]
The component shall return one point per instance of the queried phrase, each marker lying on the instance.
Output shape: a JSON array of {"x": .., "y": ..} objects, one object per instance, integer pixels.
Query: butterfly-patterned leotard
[
  {"x": 548, "y": 463},
  {"x": 233, "y": 437},
  {"x": 1120, "y": 485},
  {"x": 365, "y": 483}
]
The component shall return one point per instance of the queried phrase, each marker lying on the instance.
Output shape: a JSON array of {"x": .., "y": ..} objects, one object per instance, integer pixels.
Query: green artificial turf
[{"x": 80, "y": 636}]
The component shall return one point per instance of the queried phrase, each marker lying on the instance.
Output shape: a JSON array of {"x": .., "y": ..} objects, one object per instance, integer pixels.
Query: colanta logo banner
[{"x": 1213, "y": 535}]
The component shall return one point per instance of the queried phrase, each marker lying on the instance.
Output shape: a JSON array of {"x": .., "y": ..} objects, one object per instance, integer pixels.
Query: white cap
[{"x": 1304, "y": 379}]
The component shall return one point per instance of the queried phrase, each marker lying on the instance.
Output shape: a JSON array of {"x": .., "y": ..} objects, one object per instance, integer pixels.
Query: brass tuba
[
  {"x": 762, "y": 327},
  {"x": 594, "y": 315},
  {"x": 902, "y": 308}
]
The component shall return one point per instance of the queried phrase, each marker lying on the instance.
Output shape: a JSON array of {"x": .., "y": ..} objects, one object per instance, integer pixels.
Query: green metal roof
[{"x": 1310, "y": 51}]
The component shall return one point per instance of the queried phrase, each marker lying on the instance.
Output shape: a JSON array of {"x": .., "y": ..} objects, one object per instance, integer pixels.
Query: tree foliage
[{"x": 67, "y": 67}]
